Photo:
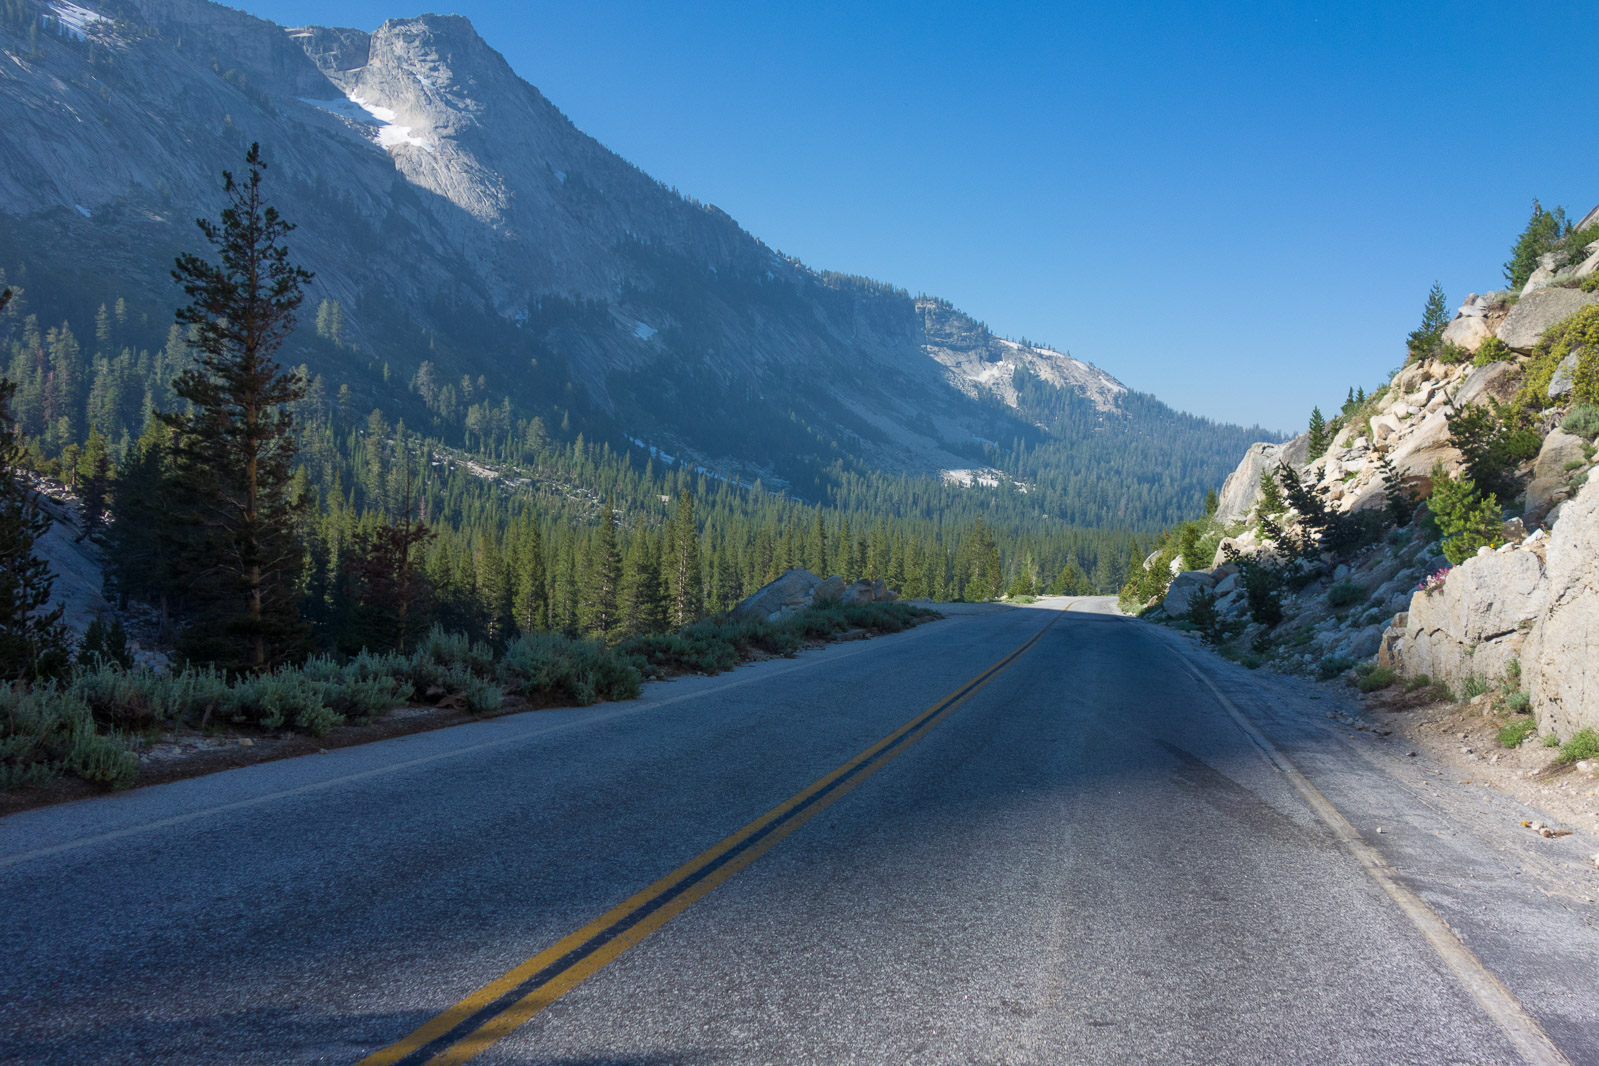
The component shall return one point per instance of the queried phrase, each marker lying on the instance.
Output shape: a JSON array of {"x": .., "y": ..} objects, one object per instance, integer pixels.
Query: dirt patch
[{"x": 1464, "y": 737}]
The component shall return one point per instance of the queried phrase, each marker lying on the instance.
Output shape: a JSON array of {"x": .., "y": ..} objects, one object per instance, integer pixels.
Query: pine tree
[
  {"x": 1426, "y": 338},
  {"x": 641, "y": 605},
  {"x": 243, "y": 554},
  {"x": 1271, "y": 496},
  {"x": 392, "y": 597},
  {"x": 33, "y": 641},
  {"x": 1467, "y": 519},
  {"x": 531, "y": 597},
  {"x": 1069, "y": 582},
  {"x": 684, "y": 583},
  {"x": 1398, "y": 500},
  {"x": 94, "y": 481},
  {"x": 1318, "y": 434},
  {"x": 1212, "y": 502},
  {"x": 844, "y": 552},
  {"x": 1544, "y": 228},
  {"x": 816, "y": 554},
  {"x": 141, "y": 543},
  {"x": 877, "y": 551},
  {"x": 602, "y": 579}
]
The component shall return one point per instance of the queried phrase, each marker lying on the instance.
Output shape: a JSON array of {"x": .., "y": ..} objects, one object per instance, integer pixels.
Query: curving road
[{"x": 1110, "y": 849}]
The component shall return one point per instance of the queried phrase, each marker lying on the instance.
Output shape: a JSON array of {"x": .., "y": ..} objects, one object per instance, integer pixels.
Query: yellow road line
[{"x": 492, "y": 1012}]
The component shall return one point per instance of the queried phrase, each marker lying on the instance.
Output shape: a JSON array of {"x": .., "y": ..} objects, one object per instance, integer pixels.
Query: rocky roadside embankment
[{"x": 1493, "y": 664}]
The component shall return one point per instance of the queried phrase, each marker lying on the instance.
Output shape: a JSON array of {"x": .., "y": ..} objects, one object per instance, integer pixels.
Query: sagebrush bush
[
  {"x": 444, "y": 655},
  {"x": 1345, "y": 594},
  {"x": 1582, "y": 420},
  {"x": 117, "y": 697},
  {"x": 285, "y": 697},
  {"x": 47, "y": 730},
  {"x": 365, "y": 698},
  {"x": 191, "y": 695},
  {"x": 557, "y": 667}
]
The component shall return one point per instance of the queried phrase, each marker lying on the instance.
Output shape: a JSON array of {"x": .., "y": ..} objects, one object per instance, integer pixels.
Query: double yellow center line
[{"x": 497, "y": 1009}]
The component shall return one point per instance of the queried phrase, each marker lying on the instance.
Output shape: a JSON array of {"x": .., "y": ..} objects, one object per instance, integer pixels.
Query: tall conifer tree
[
  {"x": 602, "y": 580},
  {"x": 1317, "y": 442},
  {"x": 243, "y": 553},
  {"x": 686, "y": 593},
  {"x": 33, "y": 641}
]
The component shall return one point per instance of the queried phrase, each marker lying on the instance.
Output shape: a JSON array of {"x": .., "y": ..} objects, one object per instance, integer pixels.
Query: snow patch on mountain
[
  {"x": 76, "y": 19},
  {"x": 358, "y": 110}
]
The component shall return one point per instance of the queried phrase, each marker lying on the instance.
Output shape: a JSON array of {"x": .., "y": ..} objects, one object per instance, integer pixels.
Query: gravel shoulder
[{"x": 1446, "y": 755}]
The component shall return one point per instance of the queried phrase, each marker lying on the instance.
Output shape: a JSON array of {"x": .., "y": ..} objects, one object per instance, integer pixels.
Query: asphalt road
[{"x": 1087, "y": 859}]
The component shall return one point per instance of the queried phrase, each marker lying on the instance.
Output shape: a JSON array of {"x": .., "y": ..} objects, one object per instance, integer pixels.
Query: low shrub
[
  {"x": 285, "y": 697},
  {"x": 1379, "y": 677},
  {"x": 445, "y": 660},
  {"x": 1493, "y": 350},
  {"x": 105, "y": 642},
  {"x": 674, "y": 651},
  {"x": 1583, "y": 419},
  {"x": 1203, "y": 615},
  {"x": 482, "y": 696},
  {"x": 1333, "y": 665},
  {"x": 191, "y": 695},
  {"x": 1512, "y": 733},
  {"x": 1585, "y": 745},
  {"x": 1519, "y": 703},
  {"x": 117, "y": 697},
  {"x": 362, "y": 699},
  {"x": 1550, "y": 740},
  {"x": 1420, "y": 681},
  {"x": 1345, "y": 594},
  {"x": 557, "y": 667},
  {"x": 1474, "y": 687},
  {"x": 46, "y": 731}
]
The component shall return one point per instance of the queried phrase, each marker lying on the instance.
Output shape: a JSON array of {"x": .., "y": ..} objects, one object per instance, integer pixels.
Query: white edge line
[{"x": 1520, "y": 1027}]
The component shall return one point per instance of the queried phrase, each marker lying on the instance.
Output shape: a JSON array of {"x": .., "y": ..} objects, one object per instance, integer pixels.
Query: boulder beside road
[{"x": 798, "y": 589}]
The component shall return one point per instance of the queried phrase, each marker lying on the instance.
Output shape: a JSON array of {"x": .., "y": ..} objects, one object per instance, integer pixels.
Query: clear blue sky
[{"x": 1239, "y": 207}]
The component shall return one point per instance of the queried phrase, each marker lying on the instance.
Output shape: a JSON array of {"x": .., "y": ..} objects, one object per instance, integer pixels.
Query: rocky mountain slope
[
  {"x": 460, "y": 219},
  {"x": 1510, "y": 396}
]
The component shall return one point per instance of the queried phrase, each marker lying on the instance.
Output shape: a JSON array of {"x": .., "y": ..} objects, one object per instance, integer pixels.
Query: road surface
[{"x": 926, "y": 848}]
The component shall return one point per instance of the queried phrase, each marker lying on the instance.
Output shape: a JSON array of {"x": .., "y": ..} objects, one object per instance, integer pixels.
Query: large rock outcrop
[
  {"x": 1534, "y": 313},
  {"x": 1242, "y": 487},
  {"x": 1475, "y": 623},
  {"x": 1551, "y": 478},
  {"x": 1537, "y": 603},
  {"x": 1468, "y": 332},
  {"x": 1561, "y": 659}
]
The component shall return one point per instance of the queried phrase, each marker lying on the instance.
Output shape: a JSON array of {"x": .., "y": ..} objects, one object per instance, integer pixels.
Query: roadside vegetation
[{"x": 90, "y": 724}]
